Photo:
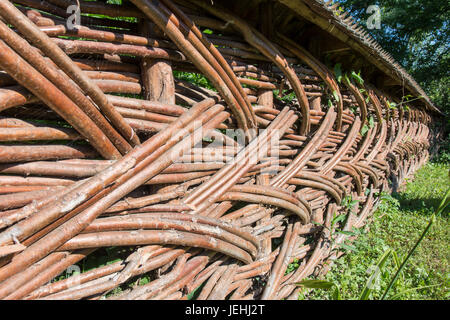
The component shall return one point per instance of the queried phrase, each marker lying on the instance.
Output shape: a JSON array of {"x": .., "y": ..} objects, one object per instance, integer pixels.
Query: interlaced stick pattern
[{"x": 200, "y": 146}]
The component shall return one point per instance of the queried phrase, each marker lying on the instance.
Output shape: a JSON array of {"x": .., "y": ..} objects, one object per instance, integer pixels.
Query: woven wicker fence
[{"x": 188, "y": 144}]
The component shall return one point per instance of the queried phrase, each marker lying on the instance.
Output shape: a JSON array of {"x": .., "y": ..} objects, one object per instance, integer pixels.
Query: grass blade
[
  {"x": 396, "y": 296},
  {"x": 365, "y": 293},
  {"x": 316, "y": 284},
  {"x": 444, "y": 203},
  {"x": 394, "y": 279}
]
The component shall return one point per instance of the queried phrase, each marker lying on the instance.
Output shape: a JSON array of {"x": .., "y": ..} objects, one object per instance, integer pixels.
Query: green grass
[
  {"x": 397, "y": 224},
  {"x": 194, "y": 78}
]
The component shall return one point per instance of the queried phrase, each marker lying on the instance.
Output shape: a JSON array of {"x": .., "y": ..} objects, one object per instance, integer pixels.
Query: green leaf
[
  {"x": 339, "y": 218},
  {"x": 194, "y": 292},
  {"x": 444, "y": 203},
  {"x": 357, "y": 77},
  {"x": 336, "y": 96},
  {"x": 336, "y": 293},
  {"x": 407, "y": 97},
  {"x": 364, "y": 130},
  {"x": 346, "y": 233},
  {"x": 396, "y": 259},
  {"x": 316, "y": 284},
  {"x": 346, "y": 78},
  {"x": 353, "y": 203},
  {"x": 392, "y": 105}
]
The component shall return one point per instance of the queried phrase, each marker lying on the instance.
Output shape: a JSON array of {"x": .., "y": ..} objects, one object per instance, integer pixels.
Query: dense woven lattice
[{"x": 201, "y": 146}]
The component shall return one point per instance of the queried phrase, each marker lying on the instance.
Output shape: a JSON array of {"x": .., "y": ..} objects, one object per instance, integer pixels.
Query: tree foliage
[{"x": 417, "y": 34}]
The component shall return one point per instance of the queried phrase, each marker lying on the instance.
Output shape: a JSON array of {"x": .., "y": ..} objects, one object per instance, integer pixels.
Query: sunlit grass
[{"x": 397, "y": 224}]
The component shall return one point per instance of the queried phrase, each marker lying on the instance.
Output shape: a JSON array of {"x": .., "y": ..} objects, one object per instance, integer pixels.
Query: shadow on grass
[{"x": 423, "y": 206}]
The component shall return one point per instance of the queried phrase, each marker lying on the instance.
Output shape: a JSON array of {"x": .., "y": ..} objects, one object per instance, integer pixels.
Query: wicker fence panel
[{"x": 187, "y": 146}]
